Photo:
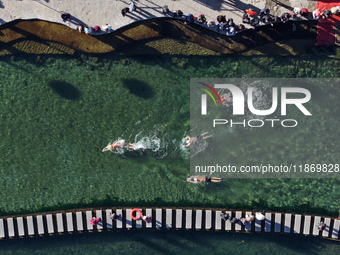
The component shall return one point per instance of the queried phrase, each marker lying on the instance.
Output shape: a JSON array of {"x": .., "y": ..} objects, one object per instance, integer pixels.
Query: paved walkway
[{"x": 100, "y": 12}]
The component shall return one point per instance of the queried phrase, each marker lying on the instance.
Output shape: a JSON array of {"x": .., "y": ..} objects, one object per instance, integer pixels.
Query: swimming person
[
  {"x": 226, "y": 100},
  {"x": 198, "y": 179},
  {"x": 120, "y": 143},
  {"x": 191, "y": 140}
]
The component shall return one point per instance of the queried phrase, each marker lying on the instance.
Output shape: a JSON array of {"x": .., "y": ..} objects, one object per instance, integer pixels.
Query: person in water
[
  {"x": 198, "y": 179},
  {"x": 226, "y": 100},
  {"x": 119, "y": 144},
  {"x": 190, "y": 140}
]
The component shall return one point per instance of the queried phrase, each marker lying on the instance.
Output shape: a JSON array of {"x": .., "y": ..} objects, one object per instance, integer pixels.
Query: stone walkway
[{"x": 100, "y": 12}]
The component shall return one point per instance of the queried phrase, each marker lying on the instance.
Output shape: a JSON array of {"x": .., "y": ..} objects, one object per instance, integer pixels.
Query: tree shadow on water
[
  {"x": 138, "y": 88},
  {"x": 64, "y": 89}
]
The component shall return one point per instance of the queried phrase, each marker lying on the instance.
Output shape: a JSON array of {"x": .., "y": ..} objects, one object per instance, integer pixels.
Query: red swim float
[{"x": 138, "y": 214}]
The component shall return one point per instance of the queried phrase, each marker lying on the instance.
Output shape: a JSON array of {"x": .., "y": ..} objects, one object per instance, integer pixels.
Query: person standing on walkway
[
  {"x": 147, "y": 219},
  {"x": 114, "y": 216},
  {"x": 65, "y": 16},
  {"x": 322, "y": 226},
  {"x": 132, "y": 7}
]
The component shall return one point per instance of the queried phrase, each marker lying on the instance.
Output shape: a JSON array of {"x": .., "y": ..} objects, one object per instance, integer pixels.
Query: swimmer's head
[{"x": 189, "y": 179}]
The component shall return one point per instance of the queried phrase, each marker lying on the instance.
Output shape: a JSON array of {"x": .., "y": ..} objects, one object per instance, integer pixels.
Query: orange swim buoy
[{"x": 138, "y": 214}]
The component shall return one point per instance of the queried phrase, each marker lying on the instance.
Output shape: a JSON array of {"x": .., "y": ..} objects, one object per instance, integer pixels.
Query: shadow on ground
[
  {"x": 138, "y": 88},
  {"x": 64, "y": 89}
]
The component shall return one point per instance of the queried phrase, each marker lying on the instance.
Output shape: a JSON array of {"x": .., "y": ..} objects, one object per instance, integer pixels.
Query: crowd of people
[
  {"x": 254, "y": 19},
  {"x": 248, "y": 219},
  {"x": 222, "y": 24},
  {"x": 114, "y": 216}
]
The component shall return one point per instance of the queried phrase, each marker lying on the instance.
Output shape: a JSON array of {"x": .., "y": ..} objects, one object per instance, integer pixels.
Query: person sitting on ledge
[
  {"x": 114, "y": 216},
  {"x": 254, "y": 23},
  {"x": 326, "y": 14},
  {"x": 80, "y": 28},
  {"x": 225, "y": 216},
  {"x": 316, "y": 14},
  {"x": 94, "y": 221},
  {"x": 230, "y": 31},
  {"x": 240, "y": 28},
  {"x": 335, "y": 10},
  {"x": 178, "y": 13},
  {"x": 285, "y": 17},
  {"x": 275, "y": 20},
  {"x": 107, "y": 28},
  {"x": 304, "y": 13},
  {"x": 97, "y": 29},
  {"x": 211, "y": 24},
  {"x": 189, "y": 18},
  {"x": 264, "y": 11},
  {"x": 165, "y": 9},
  {"x": 297, "y": 11},
  {"x": 201, "y": 19},
  {"x": 322, "y": 226},
  {"x": 246, "y": 18},
  {"x": 221, "y": 18},
  {"x": 88, "y": 30},
  {"x": 147, "y": 219},
  {"x": 222, "y": 27},
  {"x": 260, "y": 216},
  {"x": 250, "y": 218}
]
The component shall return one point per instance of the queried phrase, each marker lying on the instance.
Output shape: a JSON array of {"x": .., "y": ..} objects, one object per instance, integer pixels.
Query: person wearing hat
[
  {"x": 305, "y": 12},
  {"x": 94, "y": 221}
]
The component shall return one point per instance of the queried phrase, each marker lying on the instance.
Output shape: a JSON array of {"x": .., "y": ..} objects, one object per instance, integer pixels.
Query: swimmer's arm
[{"x": 186, "y": 145}]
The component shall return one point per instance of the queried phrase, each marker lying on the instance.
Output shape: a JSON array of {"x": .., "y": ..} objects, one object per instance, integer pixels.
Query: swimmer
[
  {"x": 190, "y": 140},
  {"x": 226, "y": 100},
  {"x": 198, "y": 179},
  {"x": 119, "y": 144}
]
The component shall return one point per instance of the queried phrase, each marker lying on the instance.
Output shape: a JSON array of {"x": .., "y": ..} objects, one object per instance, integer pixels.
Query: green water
[{"x": 58, "y": 113}]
